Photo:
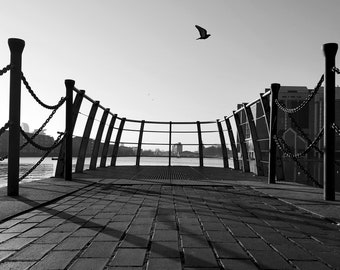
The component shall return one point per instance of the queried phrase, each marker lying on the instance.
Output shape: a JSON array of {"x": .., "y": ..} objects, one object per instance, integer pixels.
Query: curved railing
[{"x": 246, "y": 140}]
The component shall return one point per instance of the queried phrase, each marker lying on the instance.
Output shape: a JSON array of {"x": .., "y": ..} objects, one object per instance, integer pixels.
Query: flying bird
[{"x": 203, "y": 33}]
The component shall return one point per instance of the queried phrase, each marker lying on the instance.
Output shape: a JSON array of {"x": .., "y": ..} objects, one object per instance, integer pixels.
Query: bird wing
[{"x": 202, "y": 31}]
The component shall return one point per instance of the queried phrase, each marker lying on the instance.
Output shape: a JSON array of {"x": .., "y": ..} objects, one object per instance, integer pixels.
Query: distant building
[{"x": 177, "y": 149}]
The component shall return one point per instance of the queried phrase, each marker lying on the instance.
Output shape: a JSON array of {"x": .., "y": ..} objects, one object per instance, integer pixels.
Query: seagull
[{"x": 203, "y": 33}]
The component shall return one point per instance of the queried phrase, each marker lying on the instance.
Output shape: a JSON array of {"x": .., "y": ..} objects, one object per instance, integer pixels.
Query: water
[{"x": 47, "y": 167}]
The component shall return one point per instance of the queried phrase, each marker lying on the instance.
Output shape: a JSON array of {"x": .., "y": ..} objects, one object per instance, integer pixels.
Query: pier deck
[{"x": 168, "y": 218}]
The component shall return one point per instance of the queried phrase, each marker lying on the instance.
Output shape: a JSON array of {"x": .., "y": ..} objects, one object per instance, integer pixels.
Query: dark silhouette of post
[
  {"x": 117, "y": 142},
  {"x": 69, "y": 129},
  {"x": 170, "y": 131},
  {"x": 140, "y": 139},
  {"x": 16, "y": 47},
  {"x": 200, "y": 143},
  {"x": 330, "y": 50},
  {"x": 223, "y": 145},
  {"x": 107, "y": 141},
  {"x": 275, "y": 87},
  {"x": 232, "y": 144},
  {"x": 243, "y": 145}
]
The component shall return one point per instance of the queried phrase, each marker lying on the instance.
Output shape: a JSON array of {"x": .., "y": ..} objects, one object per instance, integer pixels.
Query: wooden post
[
  {"x": 200, "y": 143},
  {"x": 254, "y": 139},
  {"x": 140, "y": 139},
  {"x": 117, "y": 142},
  {"x": 107, "y": 141},
  {"x": 69, "y": 129},
  {"x": 232, "y": 143},
  {"x": 242, "y": 143},
  {"x": 330, "y": 50},
  {"x": 275, "y": 87},
  {"x": 16, "y": 47},
  {"x": 223, "y": 146},
  {"x": 59, "y": 172},
  {"x": 170, "y": 130},
  {"x": 95, "y": 150},
  {"x": 85, "y": 138},
  {"x": 266, "y": 110}
]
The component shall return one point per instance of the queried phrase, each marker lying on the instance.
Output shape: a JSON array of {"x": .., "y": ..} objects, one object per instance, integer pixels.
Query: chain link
[
  {"x": 336, "y": 70},
  {"x": 284, "y": 148},
  {"x": 304, "y": 103},
  {"x": 336, "y": 128},
  {"x": 5, "y": 69},
  {"x": 37, "y": 99},
  {"x": 56, "y": 143}
]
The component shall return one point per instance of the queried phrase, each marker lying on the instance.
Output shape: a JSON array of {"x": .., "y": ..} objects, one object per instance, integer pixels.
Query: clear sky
[{"x": 141, "y": 59}]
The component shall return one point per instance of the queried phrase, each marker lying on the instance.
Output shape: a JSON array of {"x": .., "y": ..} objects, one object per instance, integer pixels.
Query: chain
[
  {"x": 304, "y": 135},
  {"x": 40, "y": 147},
  {"x": 304, "y": 103},
  {"x": 336, "y": 70},
  {"x": 4, "y": 128},
  {"x": 56, "y": 143},
  {"x": 284, "y": 148},
  {"x": 5, "y": 69},
  {"x": 336, "y": 128},
  {"x": 37, "y": 99}
]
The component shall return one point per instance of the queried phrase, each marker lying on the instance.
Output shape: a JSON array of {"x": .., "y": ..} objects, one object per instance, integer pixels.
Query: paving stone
[
  {"x": 164, "y": 249},
  {"x": 16, "y": 243},
  {"x": 270, "y": 260},
  {"x": 129, "y": 257},
  {"x": 254, "y": 244},
  {"x": 21, "y": 227},
  {"x": 310, "y": 265},
  {"x": 73, "y": 243},
  {"x": 221, "y": 236},
  {"x": 119, "y": 225},
  {"x": 230, "y": 250},
  {"x": 294, "y": 252},
  {"x": 85, "y": 232},
  {"x": 312, "y": 245},
  {"x": 100, "y": 250},
  {"x": 108, "y": 235},
  {"x": 232, "y": 264},
  {"x": 52, "y": 238},
  {"x": 164, "y": 264},
  {"x": 165, "y": 235},
  {"x": 89, "y": 264},
  {"x": 51, "y": 222},
  {"x": 199, "y": 257},
  {"x": 55, "y": 260},
  {"x": 5, "y": 236},
  {"x": 9, "y": 223},
  {"x": 136, "y": 241},
  {"x": 67, "y": 227},
  {"x": 36, "y": 218},
  {"x": 213, "y": 226},
  {"x": 32, "y": 252},
  {"x": 139, "y": 229},
  {"x": 35, "y": 232},
  {"x": 5, "y": 254},
  {"x": 194, "y": 241},
  {"x": 15, "y": 265}
]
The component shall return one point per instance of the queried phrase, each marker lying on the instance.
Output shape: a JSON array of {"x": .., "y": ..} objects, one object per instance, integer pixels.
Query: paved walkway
[{"x": 170, "y": 219}]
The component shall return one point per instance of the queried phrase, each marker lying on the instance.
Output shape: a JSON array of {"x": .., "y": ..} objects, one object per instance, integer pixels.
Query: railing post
[
  {"x": 69, "y": 129},
  {"x": 85, "y": 138},
  {"x": 254, "y": 138},
  {"x": 330, "y": 50},
  {"x": 140, "y": 139},
  {"x": 170, "y": 131},
  {"x": 59, "y": 171},
  {"x": 200, "y": 143},
  {"x": 275, "y": 87},
  {"x": 107, "y": 141},
  {"x": 242, "y": 142},
  {"x": 117, "y": 142},
  {"x": 232, "y": 143},
  {"x": 223, "y": 146},
  {"x": 95, "y": 150},
  {"x": 16, "y": 47}
]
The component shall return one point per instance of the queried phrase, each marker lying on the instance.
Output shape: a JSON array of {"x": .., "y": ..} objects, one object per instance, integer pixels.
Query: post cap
[
  {"x": 330, "y": 49},
  {"x": 16, "y": 44},
  {"x": 69, "y": 83}
]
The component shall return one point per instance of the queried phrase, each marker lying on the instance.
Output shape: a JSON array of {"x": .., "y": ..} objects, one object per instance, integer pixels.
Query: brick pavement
[{"x": 163, "y": 226}]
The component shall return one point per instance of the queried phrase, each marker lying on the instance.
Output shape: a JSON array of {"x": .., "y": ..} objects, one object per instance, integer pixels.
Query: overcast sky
[{"x": 141, "y": 59}]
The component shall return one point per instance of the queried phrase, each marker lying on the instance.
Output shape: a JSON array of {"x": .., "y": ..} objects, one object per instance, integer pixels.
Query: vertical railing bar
[
  {"x": 170, "y": 131},
  {"x": 107, "y": 141},
  {"x": 97, "y": 142},
  {"x": 16, "y": 47},
  {"x": 242, "y": 142},
  {"x": 223, "y": 145},
  {"x": 85, "y": 138},
  {"x": 330, "y": 50},
  {"x": 59, "y": 172},
  {"x": 140, "y": 139},
  {"x": 232, "y": 144},
  {"x": 117, "y": 142},
  {"x": 275, "y": 87},
  {"x": 200, "y": 143},
  {"x": 266, "y": 109}
]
